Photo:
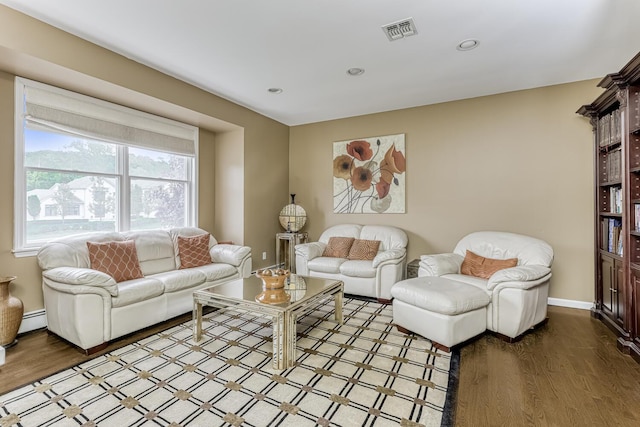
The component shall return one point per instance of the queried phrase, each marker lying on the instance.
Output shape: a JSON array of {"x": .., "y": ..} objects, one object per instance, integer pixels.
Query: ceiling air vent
[{"x": 400, "y": 29}]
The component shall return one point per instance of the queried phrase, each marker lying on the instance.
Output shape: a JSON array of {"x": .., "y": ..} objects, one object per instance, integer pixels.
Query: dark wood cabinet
[
  {"x": 612, "y": 289},
  {"x": 615, "y": 117}
]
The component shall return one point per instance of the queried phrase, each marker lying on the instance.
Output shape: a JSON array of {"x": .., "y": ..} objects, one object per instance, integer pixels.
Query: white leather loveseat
[
  {"x": 373, "y": 277},
  {"x": 89, "y": 308},
  {"x": 449, "y": 305}
]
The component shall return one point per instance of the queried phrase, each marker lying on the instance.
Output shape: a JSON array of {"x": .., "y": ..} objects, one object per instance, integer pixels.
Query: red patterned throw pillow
[
  {"x": 338, "y": 247},
  {"x": 117, "y": 259},
  {"x": 194, "y": 251},
  {"x": 364, "y": 250}
]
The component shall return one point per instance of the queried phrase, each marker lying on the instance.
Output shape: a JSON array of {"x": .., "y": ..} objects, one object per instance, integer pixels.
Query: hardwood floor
[{"x": 567, "y": 373}]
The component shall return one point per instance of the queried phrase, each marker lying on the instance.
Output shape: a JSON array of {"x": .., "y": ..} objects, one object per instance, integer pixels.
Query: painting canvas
[{"x": 369, "y": 175}]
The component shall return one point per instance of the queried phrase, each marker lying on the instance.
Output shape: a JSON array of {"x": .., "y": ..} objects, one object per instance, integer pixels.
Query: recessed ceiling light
[
  {"x": 468, "y": 44},
  {"x": 274, "y": 90},
  {"x": 355, "y": 71}
]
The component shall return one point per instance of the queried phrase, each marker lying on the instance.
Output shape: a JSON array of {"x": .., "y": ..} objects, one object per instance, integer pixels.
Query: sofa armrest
[
  {"x": 310, "y": 250},
  {"x": 229, "y": 254},
  {"x": 390, "y": 255},
  {"x": 440, "y": 264},
  {"x": 523, "y": 276},
  {"x": 82, "y": 277}
]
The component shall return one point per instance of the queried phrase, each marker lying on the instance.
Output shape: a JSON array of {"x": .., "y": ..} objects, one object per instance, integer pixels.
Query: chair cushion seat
[
  {"x": 440, "y": 295},
  {"x": 358, "y": 268},
  {"x": 326, "y": 264}
]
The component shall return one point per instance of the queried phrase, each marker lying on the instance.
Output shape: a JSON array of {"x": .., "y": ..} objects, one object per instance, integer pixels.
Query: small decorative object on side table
[
  {"x": 292, "y": 218},
  {"x": 412, "y": 268}
]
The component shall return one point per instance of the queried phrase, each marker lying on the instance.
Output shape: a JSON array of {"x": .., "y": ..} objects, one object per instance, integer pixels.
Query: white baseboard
[
  {"x": 582, "y": 305},
  {"x": 33, "y": 320}
]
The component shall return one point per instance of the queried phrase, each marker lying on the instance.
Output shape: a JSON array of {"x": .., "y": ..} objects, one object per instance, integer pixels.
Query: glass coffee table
[{"x": 303, "y": 294}]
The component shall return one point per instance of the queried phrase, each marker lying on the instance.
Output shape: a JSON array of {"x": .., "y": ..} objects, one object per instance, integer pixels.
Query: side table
[
  {"x": 412, "y": 268},
  {"x": 285, "y": 244}
]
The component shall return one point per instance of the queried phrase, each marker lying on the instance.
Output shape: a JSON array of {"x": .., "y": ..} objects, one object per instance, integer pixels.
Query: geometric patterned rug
[{"x": 361, "y": 373}]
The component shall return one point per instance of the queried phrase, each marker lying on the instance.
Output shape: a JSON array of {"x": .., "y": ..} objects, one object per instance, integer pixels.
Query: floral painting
[{"x": 368, "y": 175}]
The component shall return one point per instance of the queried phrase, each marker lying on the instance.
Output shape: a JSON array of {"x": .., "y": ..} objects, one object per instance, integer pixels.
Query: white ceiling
[{"x": 237, "y": 49}]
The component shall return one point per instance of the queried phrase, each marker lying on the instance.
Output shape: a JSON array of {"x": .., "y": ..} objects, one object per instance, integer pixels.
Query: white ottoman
[
  {"x": 1, "y": 355},
  {"x": 445, "y": 311}
]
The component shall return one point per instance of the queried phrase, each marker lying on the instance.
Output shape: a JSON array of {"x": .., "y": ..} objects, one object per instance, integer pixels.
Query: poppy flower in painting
[
  {"x": 361, "y": 150},
  {"x": 361, "y": 178},
  {"x": 395, "y": 160},
  {"x": 382, "y": 188},
  {"x": 342, "y": 166}
]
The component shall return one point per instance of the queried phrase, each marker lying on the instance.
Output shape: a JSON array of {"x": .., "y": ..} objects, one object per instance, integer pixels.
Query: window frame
[{"x": 21, "y": 247}]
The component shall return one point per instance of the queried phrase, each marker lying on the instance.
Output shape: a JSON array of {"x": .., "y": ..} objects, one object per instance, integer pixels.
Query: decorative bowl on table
[{"x": 273, "y": 286}]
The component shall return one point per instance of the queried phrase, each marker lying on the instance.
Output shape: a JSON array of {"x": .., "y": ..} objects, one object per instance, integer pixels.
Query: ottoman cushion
[{"x": 440, "y": 295}]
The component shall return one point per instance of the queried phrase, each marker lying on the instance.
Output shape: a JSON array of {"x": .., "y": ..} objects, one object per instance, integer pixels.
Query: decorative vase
[
  {"x": 273, "y": 286},
  {"x": 11, "y": 311}
]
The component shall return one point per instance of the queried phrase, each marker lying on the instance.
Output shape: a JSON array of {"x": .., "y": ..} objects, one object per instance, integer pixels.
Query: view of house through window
[{"x": 74, "y": 184}]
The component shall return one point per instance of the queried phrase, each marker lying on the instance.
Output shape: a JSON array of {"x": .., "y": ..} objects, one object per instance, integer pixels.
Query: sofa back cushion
[
  {"x": 72, "y": 251},
  {"x": 341, "y": 230},
  {"x": 390, "y": 237},
  {"x": 117, "y": 259},
  {"x": 503, "y": 245},
  {"x": 155, "y": 250}
]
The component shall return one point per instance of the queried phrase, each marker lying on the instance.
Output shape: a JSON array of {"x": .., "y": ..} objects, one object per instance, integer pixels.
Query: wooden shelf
[
  {"x": 611, "y": 183},
  {"x": 611, "y": 214}
]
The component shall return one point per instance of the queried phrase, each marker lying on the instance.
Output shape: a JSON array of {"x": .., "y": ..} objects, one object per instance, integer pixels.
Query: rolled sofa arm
[
  {"x": 440, "y": 264},
  {"x": 82, "y": 277},
  {"x": 229, "y": 254},
  {"x": 523, "y": 276},
  {"x": 311, "y": 250},
  {"x": 390, "y": 255}
]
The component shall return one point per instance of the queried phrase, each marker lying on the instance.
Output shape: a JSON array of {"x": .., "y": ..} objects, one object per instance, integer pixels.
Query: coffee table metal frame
[{"x": 284, "y": 315}]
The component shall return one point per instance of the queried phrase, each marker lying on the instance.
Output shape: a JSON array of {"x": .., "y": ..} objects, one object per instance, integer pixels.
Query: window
[{"x": 83, "y": 164}]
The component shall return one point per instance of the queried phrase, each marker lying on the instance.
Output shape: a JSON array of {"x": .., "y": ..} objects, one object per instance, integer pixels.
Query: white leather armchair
[
  {"x": 518, "y": 295},
  {"x": 366, "y": 278}
]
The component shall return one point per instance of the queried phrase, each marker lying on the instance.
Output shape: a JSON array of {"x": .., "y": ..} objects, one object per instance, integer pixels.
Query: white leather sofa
[
  {"x": 445, "y": 306},
  {"x": 88, "y": 308},
  {"x": 361, "y": 277}
]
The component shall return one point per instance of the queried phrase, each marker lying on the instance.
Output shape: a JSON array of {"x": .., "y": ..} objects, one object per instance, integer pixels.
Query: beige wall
[
  {"x": 32, "y": 49},
  {"x": 519, "y": 162}
]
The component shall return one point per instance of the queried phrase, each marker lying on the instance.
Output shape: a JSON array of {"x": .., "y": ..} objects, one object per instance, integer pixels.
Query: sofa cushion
[
  {"x": 215, "y": 271},
  {"x": 194, "y": 251},
  {"x": 137, "y": 290},
  {"x": 358, "y": 268},
  {"x": 338, "y": 247},
  {"x": 155, "y": 250},
  {"x": 364, "y": 250},
  {"x": 325, "y": 264},
  {"x": 117, "y": 259},
  {"x": 479, "y": 266},
  {"x": 440, "y": 295},
  {"x": 390, "y": 237},
  {"x": 176, "y": 280}
]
